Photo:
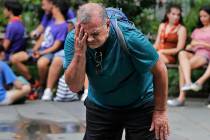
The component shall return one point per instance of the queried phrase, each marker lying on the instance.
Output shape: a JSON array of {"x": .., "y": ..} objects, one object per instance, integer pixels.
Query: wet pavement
[{"x": 39, "y": 120}]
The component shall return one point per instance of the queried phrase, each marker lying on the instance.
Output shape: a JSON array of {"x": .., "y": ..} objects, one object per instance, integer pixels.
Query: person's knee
[
  {"x": 26, "y": 89},
  {"x": 41, "y": 64},
  {"x": 18, "y": 57},
  {"x": 181, "y": 55},
  {"x": 14, "y": 59},
  {"x": 57, "y": 62}
]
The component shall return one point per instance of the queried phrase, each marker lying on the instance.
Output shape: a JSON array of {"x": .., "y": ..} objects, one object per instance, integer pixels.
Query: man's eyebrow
[{"x": 95, "y": 32}]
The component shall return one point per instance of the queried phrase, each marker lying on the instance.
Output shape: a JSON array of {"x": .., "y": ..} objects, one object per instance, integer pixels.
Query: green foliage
[
  {"x": 137, "y": 11},
  {"x": 2, "y": 19},
  {"x": 30, "y": 13},
  {"x": 97, "y": 1},
  {"x": 173, "y": 87},
  {"x": 151, "y": 24}
]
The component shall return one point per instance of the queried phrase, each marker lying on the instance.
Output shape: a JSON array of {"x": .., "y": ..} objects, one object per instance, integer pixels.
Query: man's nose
[{"x": 90, "y": 38}]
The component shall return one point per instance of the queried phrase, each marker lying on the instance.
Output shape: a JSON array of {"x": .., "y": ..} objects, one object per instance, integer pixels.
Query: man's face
[
  {"x": 97, "y": 32},
  {"x": 47, "y": 6}
]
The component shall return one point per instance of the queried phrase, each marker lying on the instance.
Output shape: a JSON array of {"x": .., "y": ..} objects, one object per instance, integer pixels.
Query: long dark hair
[
  {"x": 168, "y": 10},
  {"x": 63, "y": 5},
  {"x": 205, "y": 8}
]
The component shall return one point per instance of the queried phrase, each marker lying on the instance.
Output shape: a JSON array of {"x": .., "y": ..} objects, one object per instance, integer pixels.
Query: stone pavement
[{"x": 39, "y": 120}]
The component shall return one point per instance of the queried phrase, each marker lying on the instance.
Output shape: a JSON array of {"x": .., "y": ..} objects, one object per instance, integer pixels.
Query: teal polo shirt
[{"x": 125, "y": 80}]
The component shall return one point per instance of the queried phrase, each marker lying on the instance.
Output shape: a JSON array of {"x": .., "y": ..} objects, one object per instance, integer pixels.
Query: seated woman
[
  {"x": 171, "y": 35},
  {"x": 19, "y": 87},
  {"x": 197, "y": 54}
]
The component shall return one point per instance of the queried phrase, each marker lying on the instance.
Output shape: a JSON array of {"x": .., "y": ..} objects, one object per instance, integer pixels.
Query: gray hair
[{"x": 87, "y": 11}]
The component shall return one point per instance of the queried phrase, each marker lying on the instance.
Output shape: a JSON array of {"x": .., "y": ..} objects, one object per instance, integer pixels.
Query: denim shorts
[{"x": 60, "y": 54}]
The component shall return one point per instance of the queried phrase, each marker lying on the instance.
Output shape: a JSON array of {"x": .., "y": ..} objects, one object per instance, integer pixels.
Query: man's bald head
[{"x": 92, "y": 11}]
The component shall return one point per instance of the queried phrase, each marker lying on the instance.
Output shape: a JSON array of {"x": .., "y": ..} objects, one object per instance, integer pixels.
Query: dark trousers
[{"x": 106, "y": 124}]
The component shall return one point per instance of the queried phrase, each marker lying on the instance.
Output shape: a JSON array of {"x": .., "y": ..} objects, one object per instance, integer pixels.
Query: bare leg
[
  {"x": 181, "y": 83},
  {"x": 184, "y": 61},
  {"x": 163, "y": 58},
  {"x": 42, "y": 65},
  {"x": 86, "y": 82},
  {"x": 204, "y": 77},
  {"x": 195, "y": 62},
  {"x": 19, "y": 93},
  {"x": 17, "y": 60},
  {"x": 54, "y": 72}
]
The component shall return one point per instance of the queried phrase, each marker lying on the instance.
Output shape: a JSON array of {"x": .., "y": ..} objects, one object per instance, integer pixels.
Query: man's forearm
[
  {"x": 160, "y": 86},
  {"x": 75, "y": 73}
]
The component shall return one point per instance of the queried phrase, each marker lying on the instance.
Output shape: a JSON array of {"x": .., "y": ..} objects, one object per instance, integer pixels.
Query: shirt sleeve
[
  {"x": 143, "y": 54},
  {"x": 68, "y": 49},
  {"x": 8, "y": 74},
  {"x": 9, "y": 34},
  {"x": 61, "y": 35}
]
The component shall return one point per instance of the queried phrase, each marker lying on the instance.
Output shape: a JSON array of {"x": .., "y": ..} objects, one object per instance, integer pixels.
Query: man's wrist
[
  {"x": 79, "y": 54},
  {"x": 160, "y": 109}
]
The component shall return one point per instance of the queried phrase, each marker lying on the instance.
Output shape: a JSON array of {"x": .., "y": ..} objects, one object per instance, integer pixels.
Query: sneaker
[
  {"x": 32, "y": 96},
  {"x": 186, "y": 87},
  {"x": 47, "y": 96},
  {"x": 84, "y": 95},
  {"x": 175, "y": 103},
  {"x": 196, "y": 87}
]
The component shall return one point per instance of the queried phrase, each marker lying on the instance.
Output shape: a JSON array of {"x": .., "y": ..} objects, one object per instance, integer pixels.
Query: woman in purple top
[
  {"x": 14, "y": 40},
  {"x": 49, "y": 42},
  {"x": 197, "y": 54}
]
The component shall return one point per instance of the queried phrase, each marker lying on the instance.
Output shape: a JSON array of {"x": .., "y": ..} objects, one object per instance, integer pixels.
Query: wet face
[
  {"x": 98, "y": 33},
  {"x": 174, "y": 16},
  {"x": 204, "y": 17},
  {"x": 47, "y": 6}
]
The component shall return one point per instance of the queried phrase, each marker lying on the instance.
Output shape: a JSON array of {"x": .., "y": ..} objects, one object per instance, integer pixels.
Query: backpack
[{"x": 116, "y": 15}]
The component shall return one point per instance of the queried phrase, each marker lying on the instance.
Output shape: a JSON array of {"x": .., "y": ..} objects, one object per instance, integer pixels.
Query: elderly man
[{"x": 121, "y": 94}]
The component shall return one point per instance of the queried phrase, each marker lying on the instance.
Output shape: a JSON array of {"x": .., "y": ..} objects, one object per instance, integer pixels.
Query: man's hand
[
  {"x": 80, "y": 40},
  {"x": 160, "y": 125}
]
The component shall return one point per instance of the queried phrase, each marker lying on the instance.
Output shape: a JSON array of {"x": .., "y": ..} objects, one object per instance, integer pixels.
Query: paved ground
[{"x": 66, "y": 121}]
